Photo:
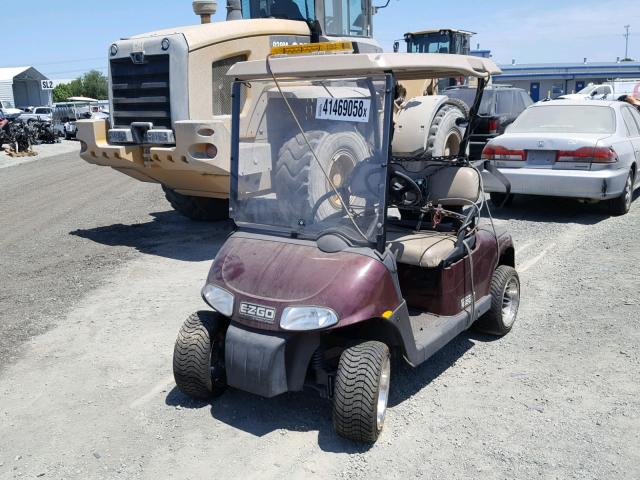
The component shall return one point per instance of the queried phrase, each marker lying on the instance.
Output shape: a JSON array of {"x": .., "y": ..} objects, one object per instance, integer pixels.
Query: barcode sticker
[{"x": 343, "y": 109}]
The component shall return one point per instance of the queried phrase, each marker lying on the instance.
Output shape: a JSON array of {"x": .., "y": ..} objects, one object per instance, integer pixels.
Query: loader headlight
[
  {"x": 113, "y": 50},
  {"x": 218, "y": 299},
  {"x": 307, "y": 318},
  {"x": 165, "y": 44}
]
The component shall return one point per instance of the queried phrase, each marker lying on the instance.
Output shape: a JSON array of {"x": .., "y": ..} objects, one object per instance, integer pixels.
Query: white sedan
[{"x": 586, "y": 149}]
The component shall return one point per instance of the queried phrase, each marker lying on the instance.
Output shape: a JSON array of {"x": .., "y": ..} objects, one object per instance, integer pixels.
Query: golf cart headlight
[
  {"x": 218, "y": 299},
  {"x": 307, "y": 318}
]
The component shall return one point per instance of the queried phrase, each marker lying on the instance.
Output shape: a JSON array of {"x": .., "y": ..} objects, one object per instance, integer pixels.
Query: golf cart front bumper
[
  {"x": 267, "y": 363},
  {"x": 185, "y": 167}
]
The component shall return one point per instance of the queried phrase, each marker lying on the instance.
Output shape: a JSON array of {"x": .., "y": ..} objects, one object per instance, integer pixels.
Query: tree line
[{"x": 92, "y": 84}]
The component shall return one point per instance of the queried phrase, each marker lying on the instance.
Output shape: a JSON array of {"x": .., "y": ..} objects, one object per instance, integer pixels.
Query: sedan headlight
[
  {"x": 218, "y": 299},
  {"x": 307, "y": 318}
]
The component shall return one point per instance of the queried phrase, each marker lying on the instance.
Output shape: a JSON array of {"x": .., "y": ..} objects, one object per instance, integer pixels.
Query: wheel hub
[
  {"x": 342, "y": 165},
  {"x": 452, "y": 145},
  {"x": 628, "y": 192},
  {"x": 383, "y": 393},
  {"x": 510, "y": 302}
]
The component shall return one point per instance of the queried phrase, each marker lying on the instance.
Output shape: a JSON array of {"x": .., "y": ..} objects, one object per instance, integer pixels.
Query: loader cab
[
  {"x": 451, "y": 41},
  {"x": 445, "y": 41},
  {"x": 337, "y": 18}
]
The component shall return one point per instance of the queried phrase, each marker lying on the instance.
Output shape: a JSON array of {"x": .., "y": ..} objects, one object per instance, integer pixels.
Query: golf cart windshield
[{"x": 326, "y": 175}]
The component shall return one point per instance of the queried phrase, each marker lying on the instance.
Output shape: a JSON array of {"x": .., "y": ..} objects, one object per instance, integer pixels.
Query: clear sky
[{"x": 65, "y": 38}]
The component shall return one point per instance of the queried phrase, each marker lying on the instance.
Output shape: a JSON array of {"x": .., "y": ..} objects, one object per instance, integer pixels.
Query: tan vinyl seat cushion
[{"x": 425, "y": 249}]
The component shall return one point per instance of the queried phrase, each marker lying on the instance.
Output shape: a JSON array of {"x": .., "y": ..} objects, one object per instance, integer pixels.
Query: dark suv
[{"x": 500, "y": 106}]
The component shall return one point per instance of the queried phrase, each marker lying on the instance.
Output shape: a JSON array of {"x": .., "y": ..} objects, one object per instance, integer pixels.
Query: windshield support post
[
  {"x": 473, "y": 115},
  {"x": 390, "y": 85},
  {"x": 236, "y": 99}
]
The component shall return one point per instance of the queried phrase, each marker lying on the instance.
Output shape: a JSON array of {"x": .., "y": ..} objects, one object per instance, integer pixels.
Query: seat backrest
[{"x": 454, "y": 186}]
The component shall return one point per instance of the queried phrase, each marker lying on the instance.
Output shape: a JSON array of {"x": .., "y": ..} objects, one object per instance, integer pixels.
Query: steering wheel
[{"x": 404, "y": 191}]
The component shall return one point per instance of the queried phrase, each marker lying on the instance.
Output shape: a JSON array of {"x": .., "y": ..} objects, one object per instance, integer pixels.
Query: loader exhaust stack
[{"x": 205, "y": 9}]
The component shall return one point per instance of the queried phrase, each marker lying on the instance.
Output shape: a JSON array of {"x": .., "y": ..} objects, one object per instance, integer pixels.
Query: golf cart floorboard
[{"x": 433, "y": 332}]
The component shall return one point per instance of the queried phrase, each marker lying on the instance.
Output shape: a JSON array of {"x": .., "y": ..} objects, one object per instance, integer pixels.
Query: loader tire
[
  {"x": 362, "y": 391},
  {"x": 201, "y": 209},
  {"x": 445, "y": 136},
  {"x": 505, "y": 300},
  {"x": 198, "y": 357},
  {"x": 300, "y": 182},
  {"x": 463, "y": 107}
]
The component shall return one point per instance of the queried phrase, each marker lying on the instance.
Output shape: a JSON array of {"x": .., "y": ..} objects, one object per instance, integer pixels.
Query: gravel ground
[
  {"x": 43, "y": 152},
  {"x": 86, "y": 388}
]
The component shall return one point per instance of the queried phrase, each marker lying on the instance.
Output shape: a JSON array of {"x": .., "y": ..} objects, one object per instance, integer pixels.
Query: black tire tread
[
  {"x": 201, "y": 209},
  {"x": 463, "y": 107},
  {"x": 491, "y": 322},
  {"x": 192, "y": 357},
  {"x": 618, "y": 206},
  {"x": 292, "y": 170},
  {"x": 356, "y": 391},
  {"x": 437, "y": 120}
]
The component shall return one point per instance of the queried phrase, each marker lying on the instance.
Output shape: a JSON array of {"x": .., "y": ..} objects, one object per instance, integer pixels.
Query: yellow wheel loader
[{"x": 170, "y": 99}]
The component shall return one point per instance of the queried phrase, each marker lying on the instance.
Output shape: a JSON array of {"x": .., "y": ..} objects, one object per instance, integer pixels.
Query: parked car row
[
  {"x": 500, "y": 106},
  {"x": 607, "y": 91},
  {"x": 584, "y": 149},
  {"x": 63, "y": 115},
  {"x": 37, "y": 114}
]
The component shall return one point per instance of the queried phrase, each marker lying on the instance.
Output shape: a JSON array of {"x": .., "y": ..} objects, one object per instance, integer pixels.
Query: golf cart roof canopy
[{"x": 405, "y": 66}]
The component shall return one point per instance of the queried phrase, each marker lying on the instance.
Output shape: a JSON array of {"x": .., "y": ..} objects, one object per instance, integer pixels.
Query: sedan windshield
[
  {"x": 566, "y": 119},
  {"x": 588, "y": 90}
]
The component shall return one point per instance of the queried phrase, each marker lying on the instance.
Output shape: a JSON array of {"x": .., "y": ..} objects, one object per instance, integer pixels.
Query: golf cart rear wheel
[
  {"x": 505, "y": 300},
  {"x": 198, "y": 356},
  {"x": 362, "y": 391},
  {"x": 201, "y": 209}
]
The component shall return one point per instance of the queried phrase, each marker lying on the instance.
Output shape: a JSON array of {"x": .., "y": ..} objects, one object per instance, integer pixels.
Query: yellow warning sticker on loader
[{"x": 313, "y": 48}]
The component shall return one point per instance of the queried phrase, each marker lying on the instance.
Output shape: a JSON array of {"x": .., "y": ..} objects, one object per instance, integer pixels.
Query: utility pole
[{"x": 627, "y": 35}]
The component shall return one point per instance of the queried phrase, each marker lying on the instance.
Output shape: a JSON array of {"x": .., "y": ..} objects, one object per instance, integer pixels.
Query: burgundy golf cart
[{"x": 349, "y": 249}]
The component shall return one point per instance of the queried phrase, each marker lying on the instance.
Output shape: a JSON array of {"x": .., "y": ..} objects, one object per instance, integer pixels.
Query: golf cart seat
[
  {"x": 449, "y": 187},
  {"x": 426, "y": 249}
]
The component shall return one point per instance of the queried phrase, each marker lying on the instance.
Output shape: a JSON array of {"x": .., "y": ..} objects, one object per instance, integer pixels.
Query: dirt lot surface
[{"x": 97, "y": 275}]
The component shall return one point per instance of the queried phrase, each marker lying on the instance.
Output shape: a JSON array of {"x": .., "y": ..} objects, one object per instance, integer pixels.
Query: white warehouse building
[{"x": 22, "y": 87}]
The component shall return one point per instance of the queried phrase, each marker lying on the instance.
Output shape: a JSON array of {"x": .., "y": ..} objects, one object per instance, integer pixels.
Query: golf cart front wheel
[
  {"x": 198, "y": 356},
  {"x": 505, "y": 300},
  {"x": 362, "y": 391}
]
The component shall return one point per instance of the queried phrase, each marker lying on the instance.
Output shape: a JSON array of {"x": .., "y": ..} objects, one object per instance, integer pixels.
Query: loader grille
[
  {"x": 222, "y": 85},
  {"x": 141, "y": 92}
]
